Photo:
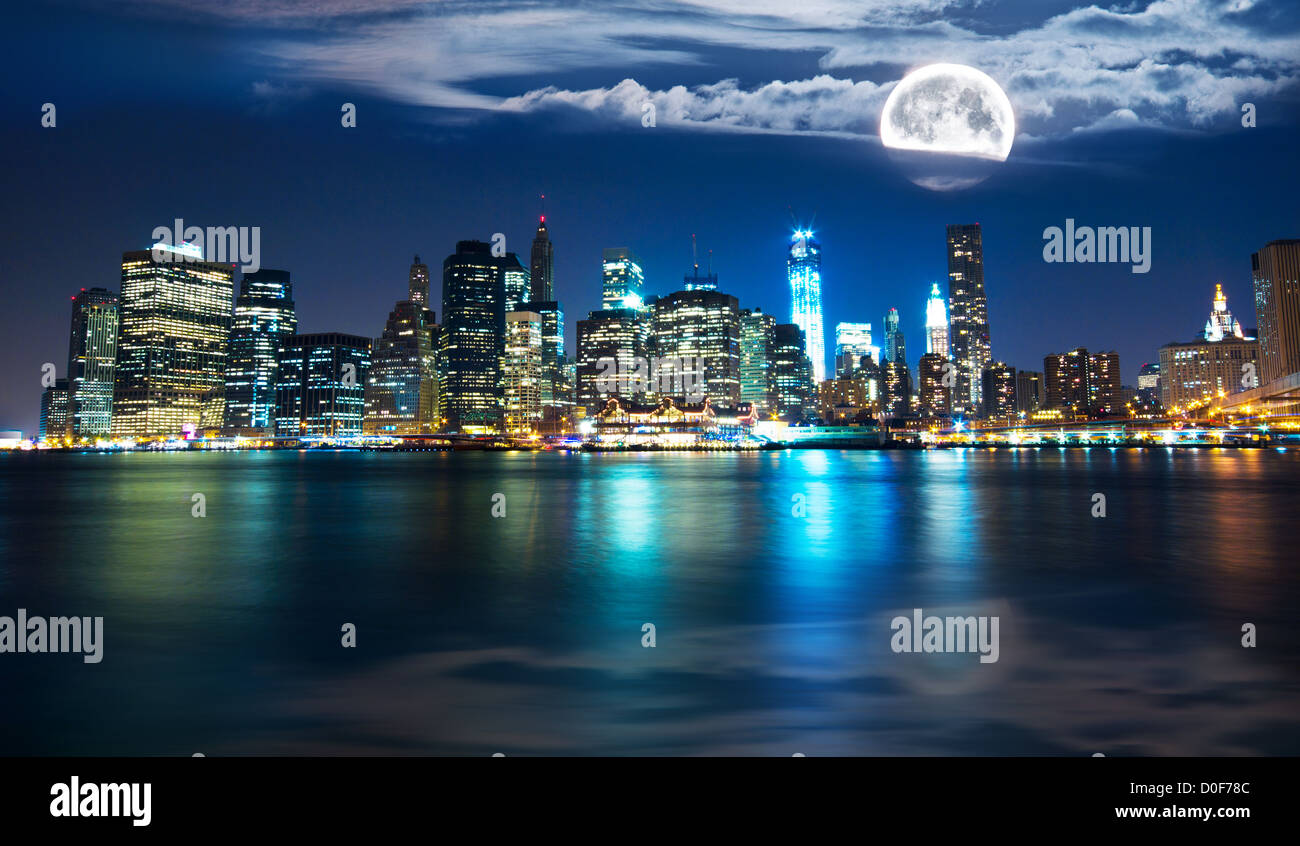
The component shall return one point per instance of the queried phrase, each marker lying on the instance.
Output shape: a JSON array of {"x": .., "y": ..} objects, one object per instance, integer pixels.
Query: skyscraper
[
  {"x": 1104, "y": 388},
  {"x": 1065, "y": 380},
  {"x": 515, "y": 278},
  {"x": 895, "y": 388},
  {"x": 401, "y": 392},
  {"x": 1029, "y": 391},
  {"x": 852, "y": 343},
  {"x": 936, "y": 323},
  {"x": 756, "y": 332},
  {"x": 320, "y": 386},
  {"x": 968, "y": 315},
  {"x": 418, "y": 285},
  {"x": 793, "y": 390},
  {"x": 935, "y": 396},
  {"x": 264, "y": 318},
  {"x": 92, "y": 360},
  {"x": 523, "y": 373},
  {"x": 541, "y": 265},
  {"x": 622, "y": 279},
  {"x": 472, "y": 340},
  {"x": 611, "y": 357},
  {"x": 998, "y": 390},
  {"x": 699, "y": 331},
  {"x": 895, "y": 347},
  {"x": 173, "y": 342},
  {"x": 804, "y": 272},
  {"x": 54, "y": 412},
  {"x": 556, "y": 392},
  {"x": 1275, "y": 271}
]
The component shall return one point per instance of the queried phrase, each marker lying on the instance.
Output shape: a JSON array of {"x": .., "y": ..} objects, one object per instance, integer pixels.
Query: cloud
[{"x": 1172, "y": 64}]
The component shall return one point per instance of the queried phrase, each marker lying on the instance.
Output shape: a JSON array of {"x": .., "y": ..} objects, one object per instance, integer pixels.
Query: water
[{"x": 523, "y": 634}]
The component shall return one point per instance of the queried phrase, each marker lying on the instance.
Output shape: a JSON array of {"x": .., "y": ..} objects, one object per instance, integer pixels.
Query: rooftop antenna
[
  {"x": 710, "y": 261},
  {"x": 543, "y": 196},
  {"x": 695, "y": 256}
]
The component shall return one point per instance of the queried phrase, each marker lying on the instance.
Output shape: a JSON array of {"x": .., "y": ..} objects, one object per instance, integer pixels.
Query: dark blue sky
[{"x": 234, "y": 120}]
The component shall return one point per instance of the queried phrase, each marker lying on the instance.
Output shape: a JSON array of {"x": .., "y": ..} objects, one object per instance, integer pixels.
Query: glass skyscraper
[
  {"x": 791, "y": 372},
  {"x": 804, "y": 271},
  {"x": 622, "y": 279},
  {"x": 320, "y": 387},
  {"x": 173, "y": 342},
  {"x": 515, "y": 278},
  {"x": 701, "y": 328},
  {"x": 968, "y": 314},
  {"x": 54, "y": 411},
  {"x": 852, "y": 343},
  {"x": 617, "y": 334},
  {"x": 401, "y": 394},
  {"x": 92, "y": 361},
  {"x": 756, "y": 332},
  {"x": 472, "y": 340},
  {"x": 264, "y": 318}
]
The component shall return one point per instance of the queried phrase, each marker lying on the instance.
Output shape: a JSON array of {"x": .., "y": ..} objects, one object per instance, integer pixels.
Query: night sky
[{"x": 467, "y": 112}]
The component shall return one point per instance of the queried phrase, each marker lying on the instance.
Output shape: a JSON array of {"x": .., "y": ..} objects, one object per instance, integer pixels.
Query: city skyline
[{"x": 620, "y": 292}]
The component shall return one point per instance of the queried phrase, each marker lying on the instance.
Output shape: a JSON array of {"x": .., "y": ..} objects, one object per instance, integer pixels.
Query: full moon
[{"x": 946, "y": 123}]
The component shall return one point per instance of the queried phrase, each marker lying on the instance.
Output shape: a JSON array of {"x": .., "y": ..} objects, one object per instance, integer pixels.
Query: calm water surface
[{"x": 523, "y": 634}]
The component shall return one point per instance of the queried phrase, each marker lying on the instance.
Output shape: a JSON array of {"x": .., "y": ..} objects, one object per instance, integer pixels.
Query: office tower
[
  {"x": 756, "y": 331},
  {"x": 556, "y": 392},
  {"x": 1222, "y": 361},
  {"x": 844, "y": 399},
  {"x": 418, "y": 285},
  {"x": 1065, "y": 380},
  {"x": 472, "y": 340},
  {"x": 173, "y": 342},
  {"x": 541, "y": 265},
  {"x": 1030, "y": 396},
  {"x": 515, "y": 279},
  {"x": 264, "y": 318},
  {"x": 92, "y": 360},
  {"x": 401, "y": 393},
  {"x": 1221, "y": 323},
  {"x": 54, "y": 411},
  {"x": 935, "y": 396},
  {"x": 895, "y": 348},
  {"x": 1148, "y": 387},
  {"x": 1275, "y": 271},
  {"x": 936, "y": 323},
  {"x": 895, "y": 388},
  {"x": 696, "y": 281},
  {"x": 804, "y": 271},
  {"x": 612, "y": 357},
  {"x": 968, "y": 315},
  {"x": 793, "y": 389},
  {"x": 523, "y": 373},
  {"x": 622, "y": 279},
  {"x": 998, "y": 389},
  {"x": 1104, "y": 388},
  {"x": 852, "y": 344},
  {"x": 320, "y": 386},
  {"x": 697, "y": 344}
]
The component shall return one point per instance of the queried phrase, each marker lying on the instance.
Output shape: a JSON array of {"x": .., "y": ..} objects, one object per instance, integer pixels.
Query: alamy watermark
[
  {"x": 240, "y": 245},
  {"x": 677, "y": 376},
  {"x": 946, "y": 634},
  {"x": 57, "y": 634},
  {"x": 1102, "y": 244}
]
